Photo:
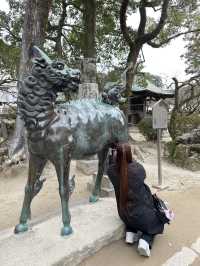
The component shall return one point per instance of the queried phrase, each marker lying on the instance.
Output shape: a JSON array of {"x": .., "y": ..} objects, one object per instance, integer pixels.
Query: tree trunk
[
  {"x": 89, "y": 87},
  {"x": 176, "y": 95},
  {"x": 34, "y": 28},
  {"x": 172, "y": 128},
  {"x": 130, "y": 74},
  {"x": 89, "y": 22},
  {"x": 131, "y": 66},
  {"x": 58, "y": 47}
]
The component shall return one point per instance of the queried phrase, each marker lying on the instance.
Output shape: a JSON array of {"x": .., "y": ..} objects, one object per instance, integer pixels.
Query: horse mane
[{"x": 36, "y": 97}]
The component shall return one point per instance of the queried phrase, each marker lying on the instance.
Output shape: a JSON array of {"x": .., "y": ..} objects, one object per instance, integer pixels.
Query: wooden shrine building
[{"x": 142, "y": 98}]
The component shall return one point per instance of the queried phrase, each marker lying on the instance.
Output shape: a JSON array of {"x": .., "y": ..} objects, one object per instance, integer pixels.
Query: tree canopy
[
  {"x": 171, "y": 19},
  {"x": 160, "y": 21}
]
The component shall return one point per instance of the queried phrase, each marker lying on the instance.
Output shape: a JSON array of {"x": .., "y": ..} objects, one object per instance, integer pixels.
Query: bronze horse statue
[{"x": 59, "y": 133}]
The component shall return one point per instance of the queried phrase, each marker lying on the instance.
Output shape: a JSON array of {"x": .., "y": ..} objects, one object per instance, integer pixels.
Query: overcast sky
[{"x": 165, "y": 62}]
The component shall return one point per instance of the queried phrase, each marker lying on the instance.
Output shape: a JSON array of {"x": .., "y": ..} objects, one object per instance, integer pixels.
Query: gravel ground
[{"x": 47, "y": 202}]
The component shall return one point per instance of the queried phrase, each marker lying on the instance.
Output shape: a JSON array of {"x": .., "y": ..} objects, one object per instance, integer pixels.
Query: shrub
[{"x": 146, "y": 128}]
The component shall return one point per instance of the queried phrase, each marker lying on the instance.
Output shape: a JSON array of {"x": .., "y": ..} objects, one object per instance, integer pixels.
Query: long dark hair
[{"x": 124, "y": 157}]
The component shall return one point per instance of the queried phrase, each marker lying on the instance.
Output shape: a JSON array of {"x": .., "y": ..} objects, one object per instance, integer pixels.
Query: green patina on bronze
[{"x": 60, "y": 133}]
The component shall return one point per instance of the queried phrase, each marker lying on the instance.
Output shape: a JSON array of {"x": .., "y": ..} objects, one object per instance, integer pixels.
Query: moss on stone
[
  {"x": 187, "y": 156},
  {"x": 185, "y": 123}
]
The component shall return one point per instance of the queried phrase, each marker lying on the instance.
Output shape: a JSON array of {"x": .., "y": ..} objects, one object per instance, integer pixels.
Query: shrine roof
[{"x": 151, "y": 88}]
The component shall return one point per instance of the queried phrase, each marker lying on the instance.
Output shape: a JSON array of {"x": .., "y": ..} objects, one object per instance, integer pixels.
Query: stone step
[{"x": 95, "y": 226}]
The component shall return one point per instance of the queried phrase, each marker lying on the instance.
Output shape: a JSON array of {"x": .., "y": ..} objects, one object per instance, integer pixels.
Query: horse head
[{"x": 54, "y": 73}]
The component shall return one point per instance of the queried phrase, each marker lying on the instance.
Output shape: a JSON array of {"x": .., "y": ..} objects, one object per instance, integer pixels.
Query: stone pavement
[
  {"x": 94, "y": 225},
  {"x": 178, "y": 246}
]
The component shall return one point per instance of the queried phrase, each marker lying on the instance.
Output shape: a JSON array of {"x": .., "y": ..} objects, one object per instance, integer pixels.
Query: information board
[{"x": 160, "y": 114}]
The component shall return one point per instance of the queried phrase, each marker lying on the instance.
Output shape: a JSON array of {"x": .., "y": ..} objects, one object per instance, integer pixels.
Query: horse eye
[{"x": 60, "y": 66}]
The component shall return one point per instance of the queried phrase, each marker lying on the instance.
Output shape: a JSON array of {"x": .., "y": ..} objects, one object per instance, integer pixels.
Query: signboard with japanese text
[{"x": 160, "y": 114}]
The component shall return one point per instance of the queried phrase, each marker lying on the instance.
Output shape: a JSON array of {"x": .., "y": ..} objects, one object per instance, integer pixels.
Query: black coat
[{"x": 140, "y": 214}]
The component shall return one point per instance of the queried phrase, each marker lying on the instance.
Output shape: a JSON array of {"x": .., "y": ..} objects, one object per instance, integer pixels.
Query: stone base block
[
  {"x": 87, "y": 167},
  {"x": 107, "y": 189},
  {"x": 94, "y": 226},
  {"x": 106, "y": 182},
  {"x": 105, "y": 192}
]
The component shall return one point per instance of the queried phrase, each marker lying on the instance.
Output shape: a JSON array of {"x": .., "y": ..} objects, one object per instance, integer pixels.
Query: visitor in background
[{"x": 134, "y": 199}]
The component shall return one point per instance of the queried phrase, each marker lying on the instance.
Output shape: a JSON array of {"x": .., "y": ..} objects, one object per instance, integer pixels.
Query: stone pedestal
[
  {"x": 107, "y": 189},
  {"x": 94, "y": 226},
  {"x": 87, "y": 167}
]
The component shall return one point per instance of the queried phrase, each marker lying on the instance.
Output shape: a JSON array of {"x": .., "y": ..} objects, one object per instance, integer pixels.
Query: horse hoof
[
  {"x": 66, "y": 230},
  {"x": 93, "y": 198},
  {"x": 20, "y": 228}
]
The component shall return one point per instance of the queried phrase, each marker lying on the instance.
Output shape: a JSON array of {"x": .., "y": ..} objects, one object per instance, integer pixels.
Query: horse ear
[{"x": 36, "y": 52}]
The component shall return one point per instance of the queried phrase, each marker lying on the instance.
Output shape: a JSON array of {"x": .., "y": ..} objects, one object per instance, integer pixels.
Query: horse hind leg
[
  {"x": 33, "y": 186},
  {"x": 101, "y": 166}
]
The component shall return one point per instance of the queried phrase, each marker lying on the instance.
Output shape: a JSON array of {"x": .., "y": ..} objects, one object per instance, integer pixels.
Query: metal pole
[{"x": 159, "y": 157}]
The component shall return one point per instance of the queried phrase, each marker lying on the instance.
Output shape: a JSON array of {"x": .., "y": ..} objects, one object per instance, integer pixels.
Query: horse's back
[
  {"x": 90, "y": 109},
  {"x": 94, "y": 125},
  {"x": 91, "y": 112}
]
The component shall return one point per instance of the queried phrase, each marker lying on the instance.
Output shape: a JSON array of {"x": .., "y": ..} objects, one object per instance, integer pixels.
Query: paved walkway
[{"x": 178, "y": 246}]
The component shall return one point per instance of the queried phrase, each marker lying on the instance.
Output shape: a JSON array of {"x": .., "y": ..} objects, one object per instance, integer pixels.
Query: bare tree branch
[
  {"x": 157, "y": 45},
  {"x": 123, "y": 25},
  {"x": 8, "y": 80},
  {"x": 152, "y": 4},
  {"x": 189, "y": 103},
  {"x": 143, "y": 20},
  {"x": 150, "y": 36},
  {"x": 186, "y": 82},
  {"x": 75, "y": 5},
  {"x": 16, "y": 38},
  {"x": 70, "y": 44}
]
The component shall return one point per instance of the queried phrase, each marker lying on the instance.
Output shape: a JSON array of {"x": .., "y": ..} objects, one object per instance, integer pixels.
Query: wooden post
[
  {"x": 160, "y": 119},
  {"x": 159, "y": 157}
]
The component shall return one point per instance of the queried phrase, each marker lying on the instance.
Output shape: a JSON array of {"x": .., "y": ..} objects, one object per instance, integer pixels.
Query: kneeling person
[{"x": 134, "y": 199}]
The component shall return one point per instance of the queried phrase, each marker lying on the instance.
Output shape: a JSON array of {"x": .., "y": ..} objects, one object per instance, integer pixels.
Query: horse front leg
[
  {"x": 36, "y": 166},
  {"x": 62, "y": 165},
  {"x": 101, "y": 165}
]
